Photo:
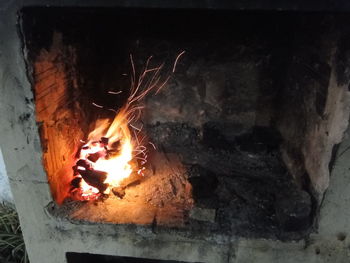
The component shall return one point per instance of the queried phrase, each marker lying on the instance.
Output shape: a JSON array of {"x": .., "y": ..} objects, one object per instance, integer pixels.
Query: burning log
[
  {"x": 82, "y": 163},
  {"x": 93, "y": 157},
  {"x": 75, "y": 183},
  {"x": 106, "y": 159},
  {"x": 95, "y": 178},
  {"x": 104, "y": 141},
  {"x": 92, "y": 177},
  {"x": 116, "y": 145},
  {"x": 113, "y": 150},
  {"x": 91, "y": 153},
  {"x": 96, "y": 150}
]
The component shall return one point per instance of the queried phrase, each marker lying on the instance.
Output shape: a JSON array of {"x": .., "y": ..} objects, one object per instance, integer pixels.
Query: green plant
[{"x": 12, "y": 247}]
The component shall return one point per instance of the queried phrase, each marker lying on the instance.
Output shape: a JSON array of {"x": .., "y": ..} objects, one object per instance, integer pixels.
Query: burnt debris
[{"x": 241, "y": 176}]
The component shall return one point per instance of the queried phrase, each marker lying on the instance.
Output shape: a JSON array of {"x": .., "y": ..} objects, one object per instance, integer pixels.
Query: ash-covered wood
[
  {"x": 241, "y": 177},
  {"x": 255, "y": 154}
]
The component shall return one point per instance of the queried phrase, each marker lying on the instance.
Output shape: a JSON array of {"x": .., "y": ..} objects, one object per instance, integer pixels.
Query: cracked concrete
[{"x": 5, "y": 191}]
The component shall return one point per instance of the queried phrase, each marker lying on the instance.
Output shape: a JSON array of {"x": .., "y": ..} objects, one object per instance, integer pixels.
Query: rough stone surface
[
  {"x": 203, "y": 214},
  {"x": 294, "y": 210},
  {"x": 5, "y": 191}
]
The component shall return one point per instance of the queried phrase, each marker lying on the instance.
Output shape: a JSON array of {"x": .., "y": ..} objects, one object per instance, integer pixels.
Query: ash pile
[{"x": 240, "y": 183}]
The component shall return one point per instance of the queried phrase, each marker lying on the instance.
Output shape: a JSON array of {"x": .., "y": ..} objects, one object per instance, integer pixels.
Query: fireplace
[{"x": 161, "y": 125}]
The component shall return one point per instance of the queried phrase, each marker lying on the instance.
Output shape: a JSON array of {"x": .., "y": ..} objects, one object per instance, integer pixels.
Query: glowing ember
[
  {"x": 115, "y": 149},
  {"x": 110, "y": 151}
]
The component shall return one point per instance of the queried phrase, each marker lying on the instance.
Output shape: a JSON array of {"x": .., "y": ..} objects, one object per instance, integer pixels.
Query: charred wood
[
  {"x": 83, "y": 163},
  {"x": 93, "y": 157},
  {"x": 75, "y": 183},
  {"x": 104, "y": 141},
  {"x": 95, "y": 178}
]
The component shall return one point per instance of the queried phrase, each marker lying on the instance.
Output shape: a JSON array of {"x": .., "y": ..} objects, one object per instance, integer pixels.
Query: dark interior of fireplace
[
  {"x": 92, "y": 258},
  {"x": 218, "y": 125}
]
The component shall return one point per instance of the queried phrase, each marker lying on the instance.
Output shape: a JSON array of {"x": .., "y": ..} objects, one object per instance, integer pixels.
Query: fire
[
  {"x": 108, "y": 157},
  {"x": 117, "y": 166},
  {"x": 114, "y": 149}
]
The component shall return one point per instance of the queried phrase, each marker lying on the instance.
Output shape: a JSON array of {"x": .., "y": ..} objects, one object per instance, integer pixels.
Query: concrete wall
[{"x": 5, "y": 191}]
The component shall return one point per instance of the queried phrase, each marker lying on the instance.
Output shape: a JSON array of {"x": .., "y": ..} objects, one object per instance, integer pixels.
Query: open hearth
[{"x": 226, "y": 130}]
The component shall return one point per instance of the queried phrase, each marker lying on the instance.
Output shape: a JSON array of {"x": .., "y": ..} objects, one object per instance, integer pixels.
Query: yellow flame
[
  {"x": 87, "y": 189},
  {"x": 116, "y": 167}
]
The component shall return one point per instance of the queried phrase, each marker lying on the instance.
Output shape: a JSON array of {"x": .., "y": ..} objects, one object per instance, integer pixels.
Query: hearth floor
[{"x": 162, "y": 198}]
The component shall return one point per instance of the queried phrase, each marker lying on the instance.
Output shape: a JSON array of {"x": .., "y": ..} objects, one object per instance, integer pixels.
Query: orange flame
[{"x": 118, "y": 166}]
